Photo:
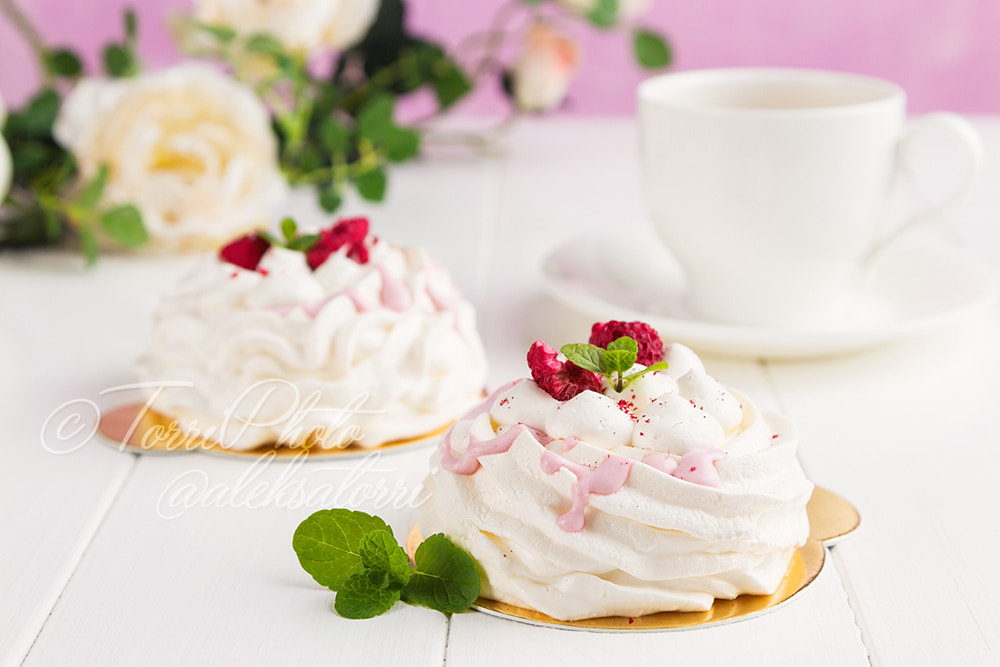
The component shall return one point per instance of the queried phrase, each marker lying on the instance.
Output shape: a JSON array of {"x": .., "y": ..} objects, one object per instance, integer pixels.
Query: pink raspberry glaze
[
  {"x": 608, "y": 477},
  {"x": 468, "y": 462},
  {"x": 698, "y": 466}
]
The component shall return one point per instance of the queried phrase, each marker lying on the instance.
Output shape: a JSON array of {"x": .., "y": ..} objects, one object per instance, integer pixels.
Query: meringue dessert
[
  {"x": 325, "y": 340},
  {"x": 627, "y": 483}
]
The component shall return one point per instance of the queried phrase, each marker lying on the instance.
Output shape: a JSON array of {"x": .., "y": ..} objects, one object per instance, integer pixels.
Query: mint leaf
[
  {"x": 651, "y": 50},
  {"x": 365, "y": 594},
  {"x": 328, "y": 544},
  {"x": 380, "y": 551},
  {"x": 620, "y": 355},
  {"x": 304, "y": 243},
  {"x": 586, "y": 356},
  {"x": 124, "y": 225},
  {"x": 658, "y": 366},
  {"x": 288, "y": 229},
  {"x": 445, "y": 577}
]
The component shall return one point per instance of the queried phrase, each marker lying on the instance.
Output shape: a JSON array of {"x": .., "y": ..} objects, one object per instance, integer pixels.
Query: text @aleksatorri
[{"x": 292, "y": 484}]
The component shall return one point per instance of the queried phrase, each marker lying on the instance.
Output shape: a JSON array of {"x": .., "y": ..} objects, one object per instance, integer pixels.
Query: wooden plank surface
[{"x": 105, "y": 571}]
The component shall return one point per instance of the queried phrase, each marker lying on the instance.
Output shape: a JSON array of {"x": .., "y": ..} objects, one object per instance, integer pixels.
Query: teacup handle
[{"x": 968, "y": 138}]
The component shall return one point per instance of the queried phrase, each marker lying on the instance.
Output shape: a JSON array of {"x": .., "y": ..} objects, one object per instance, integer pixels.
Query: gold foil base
[
  {"x": 830, "y": 518},
  {"x": 138, "y": 429}
]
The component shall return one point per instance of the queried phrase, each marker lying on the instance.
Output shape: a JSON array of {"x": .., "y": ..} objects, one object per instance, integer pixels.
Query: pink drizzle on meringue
[{"x": 608, "y": 477}]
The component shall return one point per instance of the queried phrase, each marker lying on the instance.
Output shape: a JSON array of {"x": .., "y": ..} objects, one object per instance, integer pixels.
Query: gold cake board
[
  {"x": 830, "y": 518},
  {"x": 138, "y": 429}
]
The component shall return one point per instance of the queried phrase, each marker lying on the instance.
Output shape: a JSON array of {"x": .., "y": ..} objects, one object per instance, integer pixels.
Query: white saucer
[{"x": 920, "y": 282}]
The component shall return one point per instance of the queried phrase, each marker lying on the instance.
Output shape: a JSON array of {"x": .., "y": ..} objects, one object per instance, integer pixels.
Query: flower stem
[{"x": 30, "y": 34}]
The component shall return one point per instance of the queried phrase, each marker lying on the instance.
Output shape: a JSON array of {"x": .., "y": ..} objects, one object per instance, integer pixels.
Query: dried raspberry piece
[
  {"x": 246, "y": 251},
  {"x": 562, "y": 380},
  {"x": 650, "y": 345},
  {"x": 350, "y": 232}
]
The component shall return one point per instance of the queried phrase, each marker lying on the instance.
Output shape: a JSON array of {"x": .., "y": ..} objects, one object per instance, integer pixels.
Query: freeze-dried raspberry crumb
[
  {"x": 350, "y": 232},
  {"x": 650, "y": 345},
  {"x": 562, "y": 380},
  {"x": 245, "y": 252}
]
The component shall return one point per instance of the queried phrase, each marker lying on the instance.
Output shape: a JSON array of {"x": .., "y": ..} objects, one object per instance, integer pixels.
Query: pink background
[{"x": 946, "y": 53}]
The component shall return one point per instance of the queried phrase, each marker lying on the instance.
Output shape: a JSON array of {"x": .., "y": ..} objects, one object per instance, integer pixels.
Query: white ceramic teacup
[{"x": 770, "y": 185}]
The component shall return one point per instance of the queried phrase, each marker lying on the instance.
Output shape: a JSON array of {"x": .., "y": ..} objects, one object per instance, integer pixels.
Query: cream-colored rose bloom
[
  {"x": 301, "y": 25},
  {"x": 544, "y": 68},
  {"x": 191, "y": 148},
  {"x": 626, "y": 8},
  {"x": 6, "y": 165}
]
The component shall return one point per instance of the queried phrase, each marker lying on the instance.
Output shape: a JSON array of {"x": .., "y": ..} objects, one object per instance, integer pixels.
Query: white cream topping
[
  {"x": 649, "y": 542},
  {"x": 364, "y": 353}
]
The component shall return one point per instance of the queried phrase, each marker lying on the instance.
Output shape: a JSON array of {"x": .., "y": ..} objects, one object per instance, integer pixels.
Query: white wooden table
[{"x": 111, "y": 559}]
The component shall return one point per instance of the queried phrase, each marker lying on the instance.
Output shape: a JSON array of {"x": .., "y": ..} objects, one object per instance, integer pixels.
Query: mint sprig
[
  {"x": 356, "y": 555},
  {"x": 292, "y": 239},
  {"x": 613, "y": 362}
]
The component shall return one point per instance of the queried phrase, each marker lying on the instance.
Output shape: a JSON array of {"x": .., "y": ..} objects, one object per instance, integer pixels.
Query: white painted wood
[
  {"x": 65, "y": 334},
  {"x": 93, "y": 575},
  {"x": 194, "y": 565},
  {"x": 810, "y": 630}
]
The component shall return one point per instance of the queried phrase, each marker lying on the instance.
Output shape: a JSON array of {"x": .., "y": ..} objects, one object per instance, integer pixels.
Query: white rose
[
  {"x": 6, "y": 166},
  {"x": 191, "y": 148},
  {"x": 626, "y": 8},
  {"x": 544, "y": 68},
  {"x": 301, "y": 25}
]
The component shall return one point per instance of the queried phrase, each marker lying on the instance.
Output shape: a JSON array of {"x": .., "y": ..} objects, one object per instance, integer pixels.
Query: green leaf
[
  {"x": 626, "y": 344},
  {"x": 269, "y": 237},
  {"x": 63, "y": 62},
  {"x": 586, "y": 356},
  {"x": 37, "y": 118},
  {"x": 380, "y": 551},
  {"x": 365, "y": 594},
  {"x": 288, "y": 229},
  {"x": 372, "y": 184},
  {"x": 374, "y": 121},
  {"x": 330, "y": 199},
  {"x": 604, "y": 13},
  {"x": 31, "y": 156},
  {"x": 327, "y": 544},
  {"x": 119, "y": 61},
  {"x": 124, "y": 225},
  {"x": 88, "y": 244},
  {"x": 304, "y": 243},
  {"x": 651, "y": 50},
  {"x": 223, "y": 33},
  {"x": 618, "y": 361},
  {"x": 333, "y": 136},
  {"x": 445, "y": 577},
  {"x": 658, "y": 366},
  {"x": 450, "y": 83},
  {"x": 401, "y": 144},
  {"x": 92, "y": 191},
  {"x": 265, "y": 44}
]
